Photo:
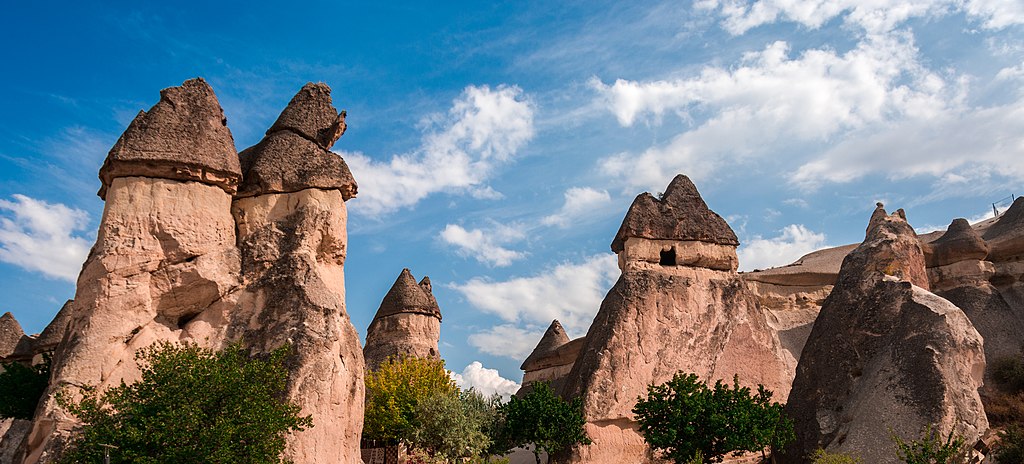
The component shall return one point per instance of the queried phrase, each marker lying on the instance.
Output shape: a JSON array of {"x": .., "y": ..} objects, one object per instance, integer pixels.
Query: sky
[{"x": 497, "y": 147}]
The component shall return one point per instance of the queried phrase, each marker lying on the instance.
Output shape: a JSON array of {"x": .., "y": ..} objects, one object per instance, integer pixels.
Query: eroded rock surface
[
  {"x": 10, "y": 334},
  {"x": 687, "y": 310},
  {"x": 407, "y": 323},
  {"x": 551, "y": 360},
  {"x": 885, "y": 355}
]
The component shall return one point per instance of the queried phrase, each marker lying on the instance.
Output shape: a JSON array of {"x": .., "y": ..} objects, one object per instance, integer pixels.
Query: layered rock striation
[
  {"x": 885, "y": 355},
  {"x": 407, "y": 323},
  {"x": 178, "y": 258},
  {"x": 679, "y": 305}
]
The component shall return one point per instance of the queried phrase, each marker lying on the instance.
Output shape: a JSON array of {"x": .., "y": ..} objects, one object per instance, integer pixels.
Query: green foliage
[
  {"x": 683, "y": 417},
  {"x": 1008, "y": 372},
  {"x": 540, "y": 418},
  {"x": 21, "y": 387},
  {"x": 824, "y": 457},
  {"x": 191, "y": 405},
  {"x": 931, "y": 448},
  {"x": 394, "y": 390},
  {"x": 1011, "y": 445},
  {"x": 455, "y": 426}
]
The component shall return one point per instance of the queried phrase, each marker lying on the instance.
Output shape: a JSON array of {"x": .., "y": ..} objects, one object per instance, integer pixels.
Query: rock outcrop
[
  {"x": 168, "y": 265},
  {"x": 885, "y": 355},
  {"x": 552, "y": 359},
  {"x": 407, "y": 323},
  {"x": 678, "y": 305},
  {"x": 10, "y": 335}
]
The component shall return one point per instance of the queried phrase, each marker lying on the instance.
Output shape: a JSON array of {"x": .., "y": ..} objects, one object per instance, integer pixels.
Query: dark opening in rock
[{"x": 668, "y": 257}]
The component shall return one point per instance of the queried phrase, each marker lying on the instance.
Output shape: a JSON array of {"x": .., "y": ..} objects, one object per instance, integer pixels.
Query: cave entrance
[{"x": 668, "y": 257}]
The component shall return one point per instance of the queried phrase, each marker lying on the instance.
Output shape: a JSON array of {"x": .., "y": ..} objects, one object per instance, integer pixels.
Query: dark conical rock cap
[
  {"x": 553, "y": 338},
  {"x": 960, "y": 242},
  {"x": 408, "y": 297},
  {"x": 54, "y": 331},
  {"x": 183, "y": 137},
  {"x": 680, "y": 214},
  {"x": 10, "y": 334},
  {"x": 295, "y": 153}
]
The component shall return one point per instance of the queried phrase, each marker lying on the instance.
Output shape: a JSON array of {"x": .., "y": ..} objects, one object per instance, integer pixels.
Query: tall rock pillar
[
  {"x": 679, "y": 305},
  {"x": 407, "y": 323}
]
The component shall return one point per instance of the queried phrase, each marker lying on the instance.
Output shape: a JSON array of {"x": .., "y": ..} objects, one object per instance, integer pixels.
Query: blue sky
[{"x": 497, "y": 147}]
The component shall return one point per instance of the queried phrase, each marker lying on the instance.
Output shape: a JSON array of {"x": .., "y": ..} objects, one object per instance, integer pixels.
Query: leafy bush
[
  {"x": 1011, "y": 445},
  {"x": 455, "y": 426},
  {"x": 824, "y": 457},
  {"x": 21, "y": 387},
  {"x": 683, "y": 416},
  {"x": 191, "y": 405},
  {"x": 540, "y": 418},
  {"x": 1008, "y": 372},
  {"x": 394, "y": 390},
  {"x": 931, "y": 448}
]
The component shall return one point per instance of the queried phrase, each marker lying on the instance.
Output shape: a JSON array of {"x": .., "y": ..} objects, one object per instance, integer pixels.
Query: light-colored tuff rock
[
  {"x": 551, "y": 360},
  {"x": 184, "y": 137},
  {"x": 12, "y": 434},
  {"x": 10, "y": 334},
  {"x": 407, "y": 323},
  {"x": 885, "y": 355},
  {"x": 666, "y": 316},
  {"x": 168, "y": 265}
]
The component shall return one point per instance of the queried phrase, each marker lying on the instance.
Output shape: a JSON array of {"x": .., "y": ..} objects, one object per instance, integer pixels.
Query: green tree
[
  {"x": 21, "y": 387},
  {"x": 455, "y": 426},
  {"x": 191, "y": 405},
  {"x": 394, "y": 390},
  {"x": 931, "y": 448},
  {"x": 683, "y": 417},
  {"x": 540, "y": 418}
]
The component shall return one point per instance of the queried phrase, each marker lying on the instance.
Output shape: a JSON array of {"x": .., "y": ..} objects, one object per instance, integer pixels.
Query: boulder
[
  {"x": 669, "y": 316},
  {"x": 407, "y": 323},
  {"x": 885, "y": 356},
  {"x": 183, "y": 137},
  {"x": 960, "y": 243},
  {"x": 294, "y": 155}
]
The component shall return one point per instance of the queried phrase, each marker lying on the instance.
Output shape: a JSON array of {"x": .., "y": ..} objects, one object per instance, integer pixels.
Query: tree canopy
[
  {"x": 395, "y": 389},
  {"x": 543, "y": 419},
  {"x": 21, "y": 387}
]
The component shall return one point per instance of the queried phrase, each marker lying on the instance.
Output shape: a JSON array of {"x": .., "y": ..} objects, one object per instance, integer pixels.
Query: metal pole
[{"x": 995, "y": 212}]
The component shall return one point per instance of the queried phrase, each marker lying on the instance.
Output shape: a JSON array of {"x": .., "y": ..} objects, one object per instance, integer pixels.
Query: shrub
[
  {"x": 683, "y": 417},
  {"x": 394, "y": 390},
  {"x": 191, "y": 405},
  {"x": 21, "y": 387},
  {"x": 824, "y": 457},
  {"x": 455, "y": 426},
  {"x": 1011, "y": 445},
  {"x": 542, "y": 419},
  {"x": 931, "y": 448},
  {"x": 1008, "y": 372}
]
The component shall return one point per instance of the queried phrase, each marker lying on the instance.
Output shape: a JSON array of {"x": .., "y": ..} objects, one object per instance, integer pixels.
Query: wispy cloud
[
  {"x": 580, "y": 203},
  {"x": 507, "y": 340},
  {"x": 795, "y": 241},
  {"x": 485, "y": 245},
  {"x": 460, "y": 150},
  {"x": 484, "y": 380},
  {"x": 40, "y": 236},
  {"x": 569, "y": 292}
]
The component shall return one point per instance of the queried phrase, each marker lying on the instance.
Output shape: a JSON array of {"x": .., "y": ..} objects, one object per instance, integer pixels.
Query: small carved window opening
[{"x": 668, "y": 257}]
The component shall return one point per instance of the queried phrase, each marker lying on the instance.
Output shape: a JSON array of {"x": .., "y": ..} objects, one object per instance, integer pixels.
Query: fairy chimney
[{"x": 407, "y": 323}]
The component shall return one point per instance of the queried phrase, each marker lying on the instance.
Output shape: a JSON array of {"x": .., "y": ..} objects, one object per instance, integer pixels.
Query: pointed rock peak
[
  {"x": 553, "y": 338},
  {"x": 890, "y": 248},
  {"x": 10, "y": 334},
  {"x": 1012, "y": 220},
  {"x": 960, "y": 243},
  {"x": 312, "y": 115},
  {"x": 679, "y": 214},
  {"x": 877, "y": 216},
  {"x": 183, "y": 137},
  {"x": 425, "y": 285},
  {"x": 54, "y": 331},
  {"x": 295, "y": 154},
  {"x": 408, "y": 297}
]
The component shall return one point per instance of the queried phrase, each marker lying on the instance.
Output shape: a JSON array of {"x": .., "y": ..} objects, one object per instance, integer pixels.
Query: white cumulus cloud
[
  {"x": 506, "y": 340},
  {"x": 795, "y": 241},
  {"x": 40, "y": 236},
  {"x": 485, "y": 245},
  {"x": 580, "y": 203},
  {"x": 484, "y": 128},
  {"x": 569, "y": 292},
  {"x": 484, "y": 380}
]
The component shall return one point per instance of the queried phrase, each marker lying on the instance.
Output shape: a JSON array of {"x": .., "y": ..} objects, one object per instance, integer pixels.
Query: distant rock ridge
[
  {"x": 295, "y": 153},
  {"x": 407, "y": 323},
  {"x": 885, "y": 355},
  {"x": 183, "y": 137}
]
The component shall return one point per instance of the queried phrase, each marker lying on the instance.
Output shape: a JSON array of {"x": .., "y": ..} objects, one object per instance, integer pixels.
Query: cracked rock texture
[
  {"x": 885, "y": 355},
  {"x": 178, "y": 259}
]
